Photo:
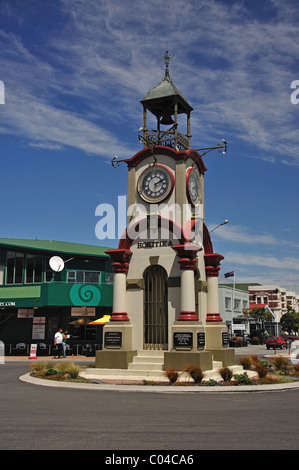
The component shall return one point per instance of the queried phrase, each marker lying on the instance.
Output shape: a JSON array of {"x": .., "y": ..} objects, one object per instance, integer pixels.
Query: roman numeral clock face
[
  {"x": 155, "y": 183},
  {"x": 193, "y": 187}
]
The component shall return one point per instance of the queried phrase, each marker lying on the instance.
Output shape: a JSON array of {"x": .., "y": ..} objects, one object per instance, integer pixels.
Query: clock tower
[{"x": 165, "y": 296}]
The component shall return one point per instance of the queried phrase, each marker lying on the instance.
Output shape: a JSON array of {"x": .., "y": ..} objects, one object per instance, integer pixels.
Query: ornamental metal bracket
[
  {"x": 220, "y": 147},
  {"x": 116, "y": 162}
]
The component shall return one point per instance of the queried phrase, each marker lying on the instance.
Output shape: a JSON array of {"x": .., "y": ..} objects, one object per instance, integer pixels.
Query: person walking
[
  {"x": 58, "y": 340},
  {"x": 64, "y": 338}
]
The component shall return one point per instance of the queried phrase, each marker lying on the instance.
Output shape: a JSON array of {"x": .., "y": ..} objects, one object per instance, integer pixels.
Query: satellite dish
[{"x": 56, "y": 264}]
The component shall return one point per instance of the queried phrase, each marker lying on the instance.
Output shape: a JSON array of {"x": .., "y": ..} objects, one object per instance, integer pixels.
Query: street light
[{"x": 223, "y": 223}]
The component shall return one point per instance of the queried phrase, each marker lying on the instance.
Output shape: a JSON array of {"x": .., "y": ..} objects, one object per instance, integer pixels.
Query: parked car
[
  {"x": 290, "y": 338},
  {"x": 276, "y": 342}
]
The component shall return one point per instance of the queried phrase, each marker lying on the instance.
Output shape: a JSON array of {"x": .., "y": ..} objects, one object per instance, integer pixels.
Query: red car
[{"x": 276, "y": 342}]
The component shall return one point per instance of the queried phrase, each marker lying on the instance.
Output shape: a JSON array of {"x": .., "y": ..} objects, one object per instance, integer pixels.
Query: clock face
[
  {"x": 193, "y": 186},
  {"x": 155, "y": 183}
]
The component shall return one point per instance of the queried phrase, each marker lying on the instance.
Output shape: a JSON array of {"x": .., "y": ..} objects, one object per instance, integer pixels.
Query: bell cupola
[{"x": 165, "y": 102}]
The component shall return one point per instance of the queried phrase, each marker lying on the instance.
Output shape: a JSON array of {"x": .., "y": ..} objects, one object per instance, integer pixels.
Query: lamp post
[{"x": 223, "y": 223}]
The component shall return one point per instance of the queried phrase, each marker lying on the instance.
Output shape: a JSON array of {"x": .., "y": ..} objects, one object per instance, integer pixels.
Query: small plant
[
  {"x": 282, "y": 365},
  {"x": 195, "y": 372},
  {"x": 242, "y": 379},
  {"x": 51, "y": 371},
  {"x": 226, "y": 373},
  {"x": 61, "y": 371},
  {"x": 70, "y": 369},
  {"x": 245, "y": 362},
  {"x": 210, "y": 383},
  {"x": 265, "y": 364},
  {"x": 261, "y": 370},
  {"x": 171, "y": 374},
  {"x": 254, "y": 359}
]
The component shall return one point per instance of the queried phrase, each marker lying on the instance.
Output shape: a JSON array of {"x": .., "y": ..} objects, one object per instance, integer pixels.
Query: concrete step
[
  {"x": 154, "y": 375},
  {"x": 145, "y": 359},
  {"x": 123, "y": 374}
]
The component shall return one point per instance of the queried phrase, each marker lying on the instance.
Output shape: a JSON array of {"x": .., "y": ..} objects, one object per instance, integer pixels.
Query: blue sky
[{"x": 74, "y": 73}]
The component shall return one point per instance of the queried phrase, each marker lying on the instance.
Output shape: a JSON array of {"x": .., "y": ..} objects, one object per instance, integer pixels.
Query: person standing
[
  {"x": 64, "y": 338},
  {"x": 58, "y": 340}
]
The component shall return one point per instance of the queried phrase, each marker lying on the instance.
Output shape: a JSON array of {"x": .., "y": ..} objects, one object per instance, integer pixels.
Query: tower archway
[{"x": 155, "y": 316}]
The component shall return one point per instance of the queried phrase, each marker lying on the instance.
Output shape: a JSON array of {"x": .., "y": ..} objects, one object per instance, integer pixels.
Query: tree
[
  {"x": 261, "y": 314},
  {"x": 290, "y": 321}
]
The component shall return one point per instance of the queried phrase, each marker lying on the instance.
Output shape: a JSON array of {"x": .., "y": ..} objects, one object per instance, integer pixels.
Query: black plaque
[
  {"x": 183, "y": 340},
  {"x": 201, "y": 340},
  {"x": 224, "y": 339},
  {"x": 113, "y": 339}
]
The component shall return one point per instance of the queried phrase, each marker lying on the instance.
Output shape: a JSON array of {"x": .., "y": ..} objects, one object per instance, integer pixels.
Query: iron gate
[{"x": 155, "y": 308}]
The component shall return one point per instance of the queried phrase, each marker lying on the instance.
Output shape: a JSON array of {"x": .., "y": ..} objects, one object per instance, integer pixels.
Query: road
[{"x": 44, "y": 418}]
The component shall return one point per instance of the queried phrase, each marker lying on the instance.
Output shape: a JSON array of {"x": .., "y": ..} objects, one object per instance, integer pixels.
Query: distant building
[
  {"x": 35, "y": 300},
  {"x": 232, "y": 304}
]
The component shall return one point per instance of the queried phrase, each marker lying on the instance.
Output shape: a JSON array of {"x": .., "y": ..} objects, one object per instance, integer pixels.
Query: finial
[{"x": 167, "y": 58}]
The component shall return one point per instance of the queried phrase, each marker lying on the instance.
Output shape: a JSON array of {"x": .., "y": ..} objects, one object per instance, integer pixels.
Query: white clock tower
[{"x": 165, "y": 297}]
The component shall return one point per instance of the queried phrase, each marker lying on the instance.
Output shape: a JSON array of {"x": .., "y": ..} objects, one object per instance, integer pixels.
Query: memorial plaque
[
  {"x": 224, "y": 339},
  {"x": 113, "y": 339},
  {"x": 183, "y": 340},
  {"x": 201, "y": 340}
]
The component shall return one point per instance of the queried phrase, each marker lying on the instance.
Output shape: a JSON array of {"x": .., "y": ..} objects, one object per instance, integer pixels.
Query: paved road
[{"x": 43, "y": 418}]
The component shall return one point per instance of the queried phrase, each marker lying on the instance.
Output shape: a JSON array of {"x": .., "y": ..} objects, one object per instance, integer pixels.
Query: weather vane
[{"x": 167, "y": 58}]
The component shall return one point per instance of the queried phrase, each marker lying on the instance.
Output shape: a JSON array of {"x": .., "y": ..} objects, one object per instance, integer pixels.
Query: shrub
[
  {"x": 226, "y": 373},
  {"x": 254, "y": 359},
  {"x": 210, "y": 383},
  {"x": 69, "y": 368},
  {"x": 195, "y": 372},
  {"x": 261, "y": 370},
  {"x": 245, "y": 362},
  {"x": 281, "y": 364},
  {"x": 242, "y": 379},
  {"x": 51, "y": 371},
  {"x": 265, "y": 364},
  {"x": 171, "y": 374}
]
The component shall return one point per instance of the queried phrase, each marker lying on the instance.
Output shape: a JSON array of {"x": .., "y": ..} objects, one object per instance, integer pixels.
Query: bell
[{"x": 166, "y": 118}]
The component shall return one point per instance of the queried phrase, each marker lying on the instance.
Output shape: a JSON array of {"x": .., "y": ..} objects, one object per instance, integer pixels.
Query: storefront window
[
  {"x": 81, "y": 277},
  {"x": 10, "y": 267},
  {"x": 29, "y": 268},
  {"x": 15, "y": 265},
  {"x": 92, "y": 277},
  {"x": 19, "y": 264}
]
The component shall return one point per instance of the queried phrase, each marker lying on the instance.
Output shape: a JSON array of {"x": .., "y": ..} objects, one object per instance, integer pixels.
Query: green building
[{"x": 35, "y": 300}]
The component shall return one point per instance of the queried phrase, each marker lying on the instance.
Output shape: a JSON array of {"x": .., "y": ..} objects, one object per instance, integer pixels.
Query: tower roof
[{"x": 165, "y": 94}]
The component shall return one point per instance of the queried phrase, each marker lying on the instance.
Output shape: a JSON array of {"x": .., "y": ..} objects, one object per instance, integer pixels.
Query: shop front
[{"x": 35, "y": 301}]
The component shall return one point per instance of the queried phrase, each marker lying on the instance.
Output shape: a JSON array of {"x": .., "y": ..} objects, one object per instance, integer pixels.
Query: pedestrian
[
  {"x": 64, "y": 338},
  {"x": 58, "y": 340}
]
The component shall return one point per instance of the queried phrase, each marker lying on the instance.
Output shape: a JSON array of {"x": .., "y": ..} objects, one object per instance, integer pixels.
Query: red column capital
[
  {"x": 212, "y": 264},
  {"x": 120, "y": 259}
]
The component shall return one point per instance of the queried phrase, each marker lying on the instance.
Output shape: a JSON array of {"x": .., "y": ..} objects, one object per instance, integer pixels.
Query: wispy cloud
[
  {"x": 239, "y": 234},
  {"x": 283, "y": 263},
  {"x": 237, "y": 77}
]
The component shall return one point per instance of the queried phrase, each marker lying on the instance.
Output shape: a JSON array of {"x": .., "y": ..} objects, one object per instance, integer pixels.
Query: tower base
[
  {"x": 117, "y": 350},
  {"x": 179, "y": 359},
  {"x": 116, "y": 359}
]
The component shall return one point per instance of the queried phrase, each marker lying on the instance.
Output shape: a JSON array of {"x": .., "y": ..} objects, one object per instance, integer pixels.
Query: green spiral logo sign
[{"x": 85, "y": 295}]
